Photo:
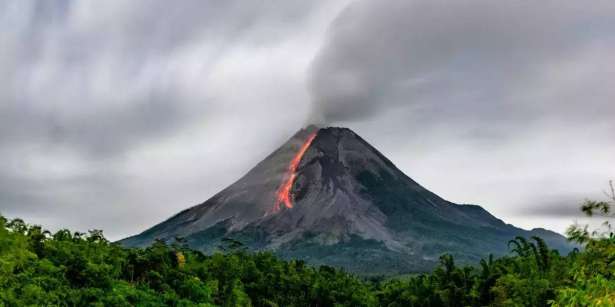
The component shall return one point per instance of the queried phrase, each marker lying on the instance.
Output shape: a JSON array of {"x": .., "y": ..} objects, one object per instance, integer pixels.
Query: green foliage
[
  {"x": 533, "y": 276},
  {"x": 592, "y": 274},
  {"x": 66, "y": 268},
  {"x": 38, "y": 268},
  {"x": 593, "y": 270}
]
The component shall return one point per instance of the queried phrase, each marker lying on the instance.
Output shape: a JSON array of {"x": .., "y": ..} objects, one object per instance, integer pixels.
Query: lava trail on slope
[{"x": 284, "y": 192}]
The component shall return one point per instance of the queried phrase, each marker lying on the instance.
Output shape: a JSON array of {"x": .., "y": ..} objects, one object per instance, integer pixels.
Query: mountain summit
[{"x": 328, "y": 197}]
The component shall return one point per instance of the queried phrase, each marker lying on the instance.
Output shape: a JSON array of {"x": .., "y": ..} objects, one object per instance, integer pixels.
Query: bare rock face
[{"x": 346, "y": 205}]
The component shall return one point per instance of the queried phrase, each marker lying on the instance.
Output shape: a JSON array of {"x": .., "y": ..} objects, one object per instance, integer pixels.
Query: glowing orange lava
[{"x": 284, "y": 190}]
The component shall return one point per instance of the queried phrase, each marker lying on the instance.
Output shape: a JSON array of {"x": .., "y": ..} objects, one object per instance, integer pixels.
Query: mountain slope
[{"x": 328, "y": 197}]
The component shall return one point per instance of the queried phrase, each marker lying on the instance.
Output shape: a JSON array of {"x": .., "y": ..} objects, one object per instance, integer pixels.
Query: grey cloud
[
  {"x": 487, "y": 102},
  {"x": 90, "y": 92},
  {"x": 561, "y": 206},
  {"x": 462, "y": 62},
  {"x": 80, "y": 202},
  {"x": 103, "y": 130},
  {"x": 104, "y": 78},
  {"x": 117, "y": 115}
]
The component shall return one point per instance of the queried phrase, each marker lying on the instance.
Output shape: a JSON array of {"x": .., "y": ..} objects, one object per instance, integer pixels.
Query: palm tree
[{"x": 542, "y": 254}]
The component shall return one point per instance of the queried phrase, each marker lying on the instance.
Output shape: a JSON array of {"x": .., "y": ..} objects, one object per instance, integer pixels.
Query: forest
[{"x": 39, "y": 268}]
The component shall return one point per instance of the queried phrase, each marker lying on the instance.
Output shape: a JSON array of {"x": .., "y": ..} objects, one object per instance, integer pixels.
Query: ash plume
[{"x": 463, "y": 61}]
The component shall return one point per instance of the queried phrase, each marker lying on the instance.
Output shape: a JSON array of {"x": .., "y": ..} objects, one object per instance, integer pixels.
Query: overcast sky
[{"x": 117, "y": 114}]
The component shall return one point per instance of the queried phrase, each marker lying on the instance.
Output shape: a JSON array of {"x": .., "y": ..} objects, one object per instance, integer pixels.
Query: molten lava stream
[{"x": 285, "y": 189}]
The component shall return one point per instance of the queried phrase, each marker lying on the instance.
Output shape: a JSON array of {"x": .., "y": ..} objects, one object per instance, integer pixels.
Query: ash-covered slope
[{"x": 328, "y": 197}]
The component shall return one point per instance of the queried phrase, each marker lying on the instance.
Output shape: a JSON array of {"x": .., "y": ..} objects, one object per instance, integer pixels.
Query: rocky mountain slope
[{"x": 328, "y": 197}]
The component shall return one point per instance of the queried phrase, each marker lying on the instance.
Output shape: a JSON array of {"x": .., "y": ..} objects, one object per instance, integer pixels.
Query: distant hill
[{"x": 328, "y": 197}]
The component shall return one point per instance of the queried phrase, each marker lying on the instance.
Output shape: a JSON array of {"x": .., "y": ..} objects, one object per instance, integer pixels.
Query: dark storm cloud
[{"x": 475, "y": 63}]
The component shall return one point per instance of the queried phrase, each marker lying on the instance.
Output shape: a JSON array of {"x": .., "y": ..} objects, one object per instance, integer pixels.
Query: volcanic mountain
[{"x": 328, "y": 197}]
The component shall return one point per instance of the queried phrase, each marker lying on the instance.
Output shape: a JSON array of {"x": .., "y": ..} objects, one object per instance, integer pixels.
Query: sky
[{"x": 117, "y": 115}]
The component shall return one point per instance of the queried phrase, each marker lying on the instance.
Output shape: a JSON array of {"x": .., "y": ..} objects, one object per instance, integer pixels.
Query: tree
[
  {"x": 593, "y": 269},
  {"x": 600, "y": 209}
]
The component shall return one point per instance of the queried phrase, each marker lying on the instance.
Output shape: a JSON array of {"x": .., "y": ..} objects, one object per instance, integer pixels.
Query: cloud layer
[
  {"x": 465, "y": 62},
  {"x": 506, "y": 104},
  {"x": 118, "y": 115}
]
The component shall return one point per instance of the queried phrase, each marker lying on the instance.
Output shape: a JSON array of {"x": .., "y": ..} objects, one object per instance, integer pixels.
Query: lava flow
[{"x": 284, "y": 192}]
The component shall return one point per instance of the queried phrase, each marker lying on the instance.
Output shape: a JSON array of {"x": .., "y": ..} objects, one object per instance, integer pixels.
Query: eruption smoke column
[{"x": 283, "y": 194}]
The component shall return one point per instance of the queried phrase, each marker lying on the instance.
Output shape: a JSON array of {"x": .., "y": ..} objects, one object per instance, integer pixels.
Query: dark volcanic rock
[{"x": 351, "y": 208}]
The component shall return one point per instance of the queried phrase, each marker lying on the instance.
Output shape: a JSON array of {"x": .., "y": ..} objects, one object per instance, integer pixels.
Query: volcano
[{"x": 328, "y": 197}]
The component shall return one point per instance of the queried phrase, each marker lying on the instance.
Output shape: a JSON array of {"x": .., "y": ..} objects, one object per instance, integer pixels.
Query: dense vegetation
[{"x": 77, "y": 269}]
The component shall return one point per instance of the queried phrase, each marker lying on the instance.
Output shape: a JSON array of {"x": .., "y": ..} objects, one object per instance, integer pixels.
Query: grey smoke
[
  {"x": 494, "y": 62},
  {"x": 508, "y": 104}
]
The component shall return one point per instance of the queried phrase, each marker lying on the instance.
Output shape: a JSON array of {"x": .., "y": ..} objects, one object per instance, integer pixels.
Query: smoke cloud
[
  {"x": 506, "y": 104},
  {"x": 465, "y": 62}
]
